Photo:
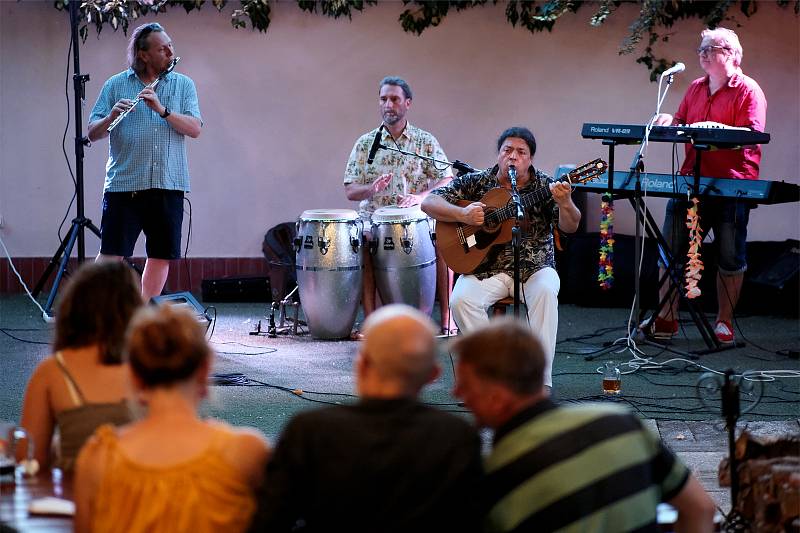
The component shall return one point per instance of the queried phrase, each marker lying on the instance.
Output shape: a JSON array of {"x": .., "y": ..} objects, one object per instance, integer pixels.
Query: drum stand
[{"x": 282, "y": 328}]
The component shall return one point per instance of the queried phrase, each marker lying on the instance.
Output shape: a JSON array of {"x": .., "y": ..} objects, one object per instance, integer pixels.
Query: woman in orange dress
[{"x": 171, "y": 471}]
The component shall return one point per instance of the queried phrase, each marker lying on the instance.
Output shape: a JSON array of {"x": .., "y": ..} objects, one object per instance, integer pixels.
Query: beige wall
[{"x": 282, "y": 110}]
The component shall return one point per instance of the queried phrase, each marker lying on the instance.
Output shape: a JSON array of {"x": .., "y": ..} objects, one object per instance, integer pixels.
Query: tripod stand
[{"x": 80, "y": 222}]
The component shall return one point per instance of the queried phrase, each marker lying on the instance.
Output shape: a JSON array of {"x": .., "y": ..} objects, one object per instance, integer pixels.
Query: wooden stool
[{"x": 501, "y": 306}]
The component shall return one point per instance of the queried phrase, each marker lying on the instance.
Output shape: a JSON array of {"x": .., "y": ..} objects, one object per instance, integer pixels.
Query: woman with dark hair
[
  {"x": 171, "y": 471},
  {"x": 83, "y": 385}
]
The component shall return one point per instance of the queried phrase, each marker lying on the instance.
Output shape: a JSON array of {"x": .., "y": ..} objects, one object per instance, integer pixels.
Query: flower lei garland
[
  {"x": 605, "y": 273},
  {"x": 695, "y": 264}
]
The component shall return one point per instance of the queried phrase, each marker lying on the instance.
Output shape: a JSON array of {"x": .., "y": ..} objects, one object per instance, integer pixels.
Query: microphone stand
[
  {"x": 515, "y": 234},
  {"x": 80, "y": 222},
  {"x": 637, "y": 166},
  {"x": 459, "y": 166}
]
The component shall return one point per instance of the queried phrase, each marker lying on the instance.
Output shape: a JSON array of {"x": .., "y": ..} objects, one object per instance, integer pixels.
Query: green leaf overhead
[{"x": 651, "y": 28}]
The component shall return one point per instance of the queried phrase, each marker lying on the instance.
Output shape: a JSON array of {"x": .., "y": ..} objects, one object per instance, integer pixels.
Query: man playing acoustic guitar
[{"x": 492, "y": 279}]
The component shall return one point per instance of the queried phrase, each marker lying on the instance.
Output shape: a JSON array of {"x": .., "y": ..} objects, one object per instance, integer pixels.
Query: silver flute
[{"x": 138, "y": 99}]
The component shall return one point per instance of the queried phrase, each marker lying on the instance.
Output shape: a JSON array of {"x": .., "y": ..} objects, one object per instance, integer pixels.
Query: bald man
[{"x": 386, "y": 463}]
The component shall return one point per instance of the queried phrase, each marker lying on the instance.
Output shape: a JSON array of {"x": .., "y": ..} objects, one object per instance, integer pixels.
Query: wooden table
[{"x": 15, "y": 498}]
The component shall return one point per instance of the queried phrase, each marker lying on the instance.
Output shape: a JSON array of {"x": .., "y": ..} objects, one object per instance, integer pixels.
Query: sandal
[{"x": 448, "y": 332}]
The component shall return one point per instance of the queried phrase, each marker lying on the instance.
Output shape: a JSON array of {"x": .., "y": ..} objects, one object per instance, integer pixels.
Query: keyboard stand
[{"x": 673, "y": 267}]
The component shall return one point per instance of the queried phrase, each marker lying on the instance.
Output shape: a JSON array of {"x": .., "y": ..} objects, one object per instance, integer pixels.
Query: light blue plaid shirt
[{"x": 144, "y": 151}]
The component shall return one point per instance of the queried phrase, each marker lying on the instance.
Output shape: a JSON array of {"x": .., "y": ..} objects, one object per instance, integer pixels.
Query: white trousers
[{"x": 472, "y": 298}]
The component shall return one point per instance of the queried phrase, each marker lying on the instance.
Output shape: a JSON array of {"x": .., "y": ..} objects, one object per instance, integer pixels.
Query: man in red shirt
[{"x": 724, "y": 96}]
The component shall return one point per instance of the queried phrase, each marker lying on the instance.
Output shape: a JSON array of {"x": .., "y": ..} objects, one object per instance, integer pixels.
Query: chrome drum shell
[
  {"x": 403, "y": 257},
  {"x": 330, "y": 270}
]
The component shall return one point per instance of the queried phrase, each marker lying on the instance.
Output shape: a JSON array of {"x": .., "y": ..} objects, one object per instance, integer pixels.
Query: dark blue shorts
[
  {"x": 727, "y": 217},
  {"x": 156, "y": 212}
]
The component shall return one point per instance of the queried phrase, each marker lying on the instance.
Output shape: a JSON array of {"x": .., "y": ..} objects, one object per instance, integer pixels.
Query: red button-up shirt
[{"x": 739, "y": 103}]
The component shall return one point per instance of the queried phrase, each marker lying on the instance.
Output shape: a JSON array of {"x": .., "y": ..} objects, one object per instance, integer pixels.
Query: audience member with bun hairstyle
[
  {"x": 84, "y": 384},
  {"x": 171, "y": 471}
]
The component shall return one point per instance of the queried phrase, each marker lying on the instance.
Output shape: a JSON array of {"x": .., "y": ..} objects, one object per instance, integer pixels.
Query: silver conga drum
[
  {"x": 403, "y": 257},
  {"x": 329, "y": 270}
]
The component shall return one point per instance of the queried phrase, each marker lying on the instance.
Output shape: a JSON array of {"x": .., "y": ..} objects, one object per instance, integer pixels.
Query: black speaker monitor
[{"x": 184, "y": 299}]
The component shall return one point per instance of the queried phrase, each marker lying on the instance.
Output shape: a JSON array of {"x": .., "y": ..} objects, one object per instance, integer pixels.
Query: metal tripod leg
[{"x": 61, "y": 258}]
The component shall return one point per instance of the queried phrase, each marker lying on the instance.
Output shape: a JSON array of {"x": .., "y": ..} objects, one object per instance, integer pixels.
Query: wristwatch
[{"x": 166, "y": 112}]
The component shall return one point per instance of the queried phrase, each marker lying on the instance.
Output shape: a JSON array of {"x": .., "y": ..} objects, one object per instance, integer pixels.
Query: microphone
[
  {"x": 676, "y": 68},
  {"x": 512, "y": 174},
  {"x": 461, "y": 167},
  {"x": 376, "y": 145}
]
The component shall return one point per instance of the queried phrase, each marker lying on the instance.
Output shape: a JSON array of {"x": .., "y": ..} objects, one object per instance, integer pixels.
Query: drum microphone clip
[
  {"x": 272, "y": 331},
  {"x": 406, "y": 240}
]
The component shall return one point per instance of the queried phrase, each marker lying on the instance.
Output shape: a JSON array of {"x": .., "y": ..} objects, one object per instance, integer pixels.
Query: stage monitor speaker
[
  {"x": 186, "y": 300},
  {"x": 781, "y": 268},
  {"x": 772, "y": 278}
]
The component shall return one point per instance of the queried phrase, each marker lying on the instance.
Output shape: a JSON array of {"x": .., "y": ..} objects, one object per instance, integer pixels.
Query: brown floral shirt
[
  {"x": 537, "y": 230},
  {"x": 410, "y": 175}
]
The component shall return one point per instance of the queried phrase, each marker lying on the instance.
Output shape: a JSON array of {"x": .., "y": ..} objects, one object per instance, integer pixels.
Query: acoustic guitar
[{"x": 463, "y": 247}]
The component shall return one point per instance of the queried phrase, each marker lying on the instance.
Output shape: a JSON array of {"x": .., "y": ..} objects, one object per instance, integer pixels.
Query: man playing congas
[{"x": 387, "y": 178}]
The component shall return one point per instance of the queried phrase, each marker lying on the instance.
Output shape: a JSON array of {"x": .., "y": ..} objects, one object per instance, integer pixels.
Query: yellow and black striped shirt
[{"x": 588, "y": 467}]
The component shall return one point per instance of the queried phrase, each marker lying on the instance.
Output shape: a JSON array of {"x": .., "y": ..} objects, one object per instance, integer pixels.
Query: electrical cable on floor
[
  {"x": 241, "y": 380},
  {"x": 265, "y": 351},
  {"x": 13, "y": 268},
  {"x": 213, "y": 322},
  {"x": 646, "y": 406},
  {"x": 596, "y": 333},
  {"x": 643, "y": 361},
  {"x": 640, "y": 363},
  {"x": 789, "y": 391},
  {"x": 261, "y": 349},
  {"x": 236, "y": 343},
  {"x": 5, "y": 331}
]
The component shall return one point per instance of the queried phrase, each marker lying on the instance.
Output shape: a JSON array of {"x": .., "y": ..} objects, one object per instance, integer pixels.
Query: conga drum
[
  {"x": 330, "y": 270},
  {"x": 403, "y": 257}
]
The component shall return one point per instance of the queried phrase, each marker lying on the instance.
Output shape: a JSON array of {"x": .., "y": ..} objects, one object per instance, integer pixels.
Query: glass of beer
[{"x": 612, "y": 385}]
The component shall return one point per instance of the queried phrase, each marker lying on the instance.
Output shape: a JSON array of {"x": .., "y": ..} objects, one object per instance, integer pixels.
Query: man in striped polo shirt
[
  {"x": 147, "y": 172},
  {"x": 588, "y": 467}
]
